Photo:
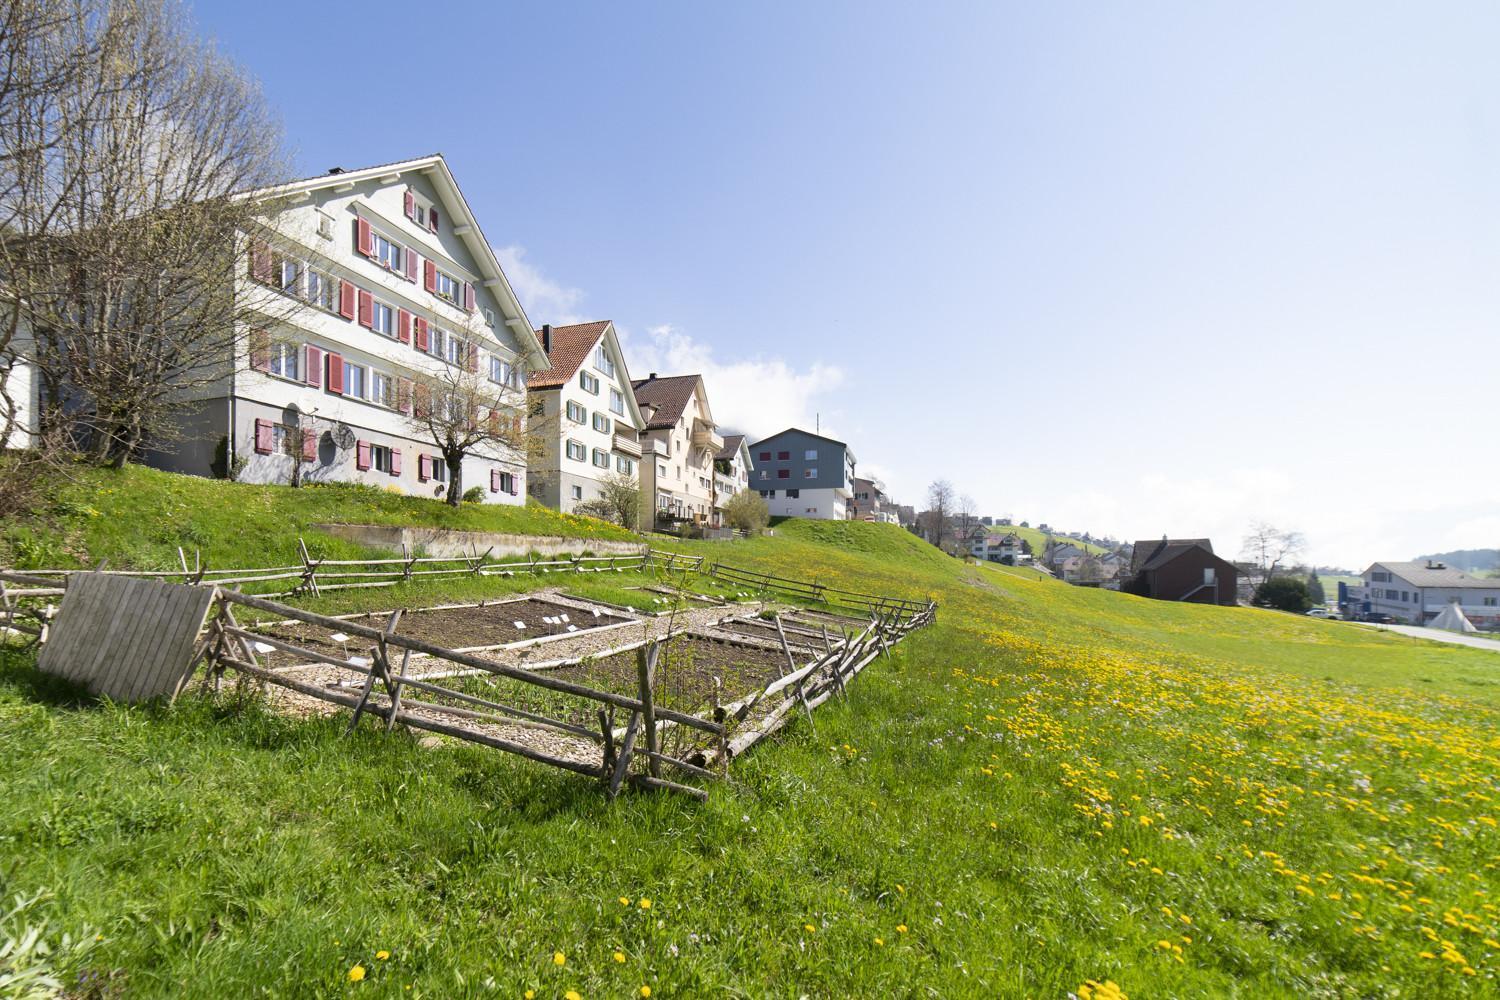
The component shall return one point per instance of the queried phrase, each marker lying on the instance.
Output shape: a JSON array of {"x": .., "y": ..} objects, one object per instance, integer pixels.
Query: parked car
[
  {"x": 1319, "y": 613},
  {"x": 1376, "y": 618}
]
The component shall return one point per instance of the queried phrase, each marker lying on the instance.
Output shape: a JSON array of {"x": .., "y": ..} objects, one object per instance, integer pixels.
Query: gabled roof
[
  {"x": 571, "y": 346},
  {"x": 1147, "y": 550},
  {"x": 436, "y": 168},
  {"x": 669, "y": 395},
  {"x": 798, "y": 430},
  {"x": 732, "y": 445},
  {"x": 1428, "y": 573}
]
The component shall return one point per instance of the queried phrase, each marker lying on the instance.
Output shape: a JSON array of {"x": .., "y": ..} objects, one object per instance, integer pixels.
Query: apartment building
[
  {"x": 871, "y": 502},
  {"x": 1417, "y": 592},
  {"x": 584, "y": 410},
  {"x": 678, "y": 448},
  {"x": 732, "y": 468},
  {"x": 366, "y": 281},
  {"x": 802, "y": 474}
]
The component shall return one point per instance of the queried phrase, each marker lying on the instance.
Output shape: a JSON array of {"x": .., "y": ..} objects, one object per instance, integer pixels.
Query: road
[{"x": 1438, "y": 635}]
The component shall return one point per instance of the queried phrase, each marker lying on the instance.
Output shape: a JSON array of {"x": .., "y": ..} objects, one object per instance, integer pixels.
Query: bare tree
[
  {"x": 966, "y": 512},
  {"x": 126, "y": 216},
  {"x": 463, "y": 412},
  {"x": 1268, "y": 547},
  {"x": 619, "y": 501},
  {"x": 939, "y": 511}
]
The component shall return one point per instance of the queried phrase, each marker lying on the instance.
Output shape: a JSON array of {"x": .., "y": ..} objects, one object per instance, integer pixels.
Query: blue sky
[{"x": 1141, "y": 269}]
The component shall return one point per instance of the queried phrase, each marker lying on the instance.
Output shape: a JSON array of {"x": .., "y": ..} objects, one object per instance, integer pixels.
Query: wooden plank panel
[{"x": 137, "y": 615}]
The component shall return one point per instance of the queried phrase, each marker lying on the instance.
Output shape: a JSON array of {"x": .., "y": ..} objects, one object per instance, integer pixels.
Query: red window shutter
[
  {"x": 335, "y": 373},
  {"x": 429, "y": 275},
  {"x": 403, "y": 395},
  {"x": 263, "y": 437},
  {"x": 513, "y": 484},
  {"x": 468, "y": 297},
  {"x": 411, "y": 205},
  {"x": 346, "y": 299},
  {"x": 424, "y": 468},
  {"x": 260, "y": 350},
  {"x": 419, "y": 397},
  {"x": 364, "y": 242},
  {"x": 422, "y": 341},
  {"x": 494, "y": 480},
  {"x": 395, "y": 461},
  {"x": 309, "y": 446},
  {"x": 366, "y": 309},
  {"x": 362, "y": 455},
  {"x": 471, "y": 357},
  {"x": 411, "y": 264},
  {"x": 432, "y": 219},
  {"x": 313, "y": 368},
  {"x": 260, "y": 260},
  {"x": 403, "y": 326}
]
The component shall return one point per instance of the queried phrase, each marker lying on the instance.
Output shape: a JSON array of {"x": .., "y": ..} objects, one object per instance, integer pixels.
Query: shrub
[
  {"x": 1284, "y": 593},
  {"x": 474, "y": 494},
  {"x": 747, "y": 511}
]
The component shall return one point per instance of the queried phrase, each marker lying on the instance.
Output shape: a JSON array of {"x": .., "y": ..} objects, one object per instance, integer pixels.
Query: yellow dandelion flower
[
  {"x": 645, "y": 904},
  {"x": 810, "y": 928},
  {"x": 382, "y": 955},
  {"x": 880, "y": 942},
  {"x": 529, "y": 994},
  {"x": 619, "y": 956},
  {"x": 645, "y": 991},
  {"x": 572, "y": 995},
  {"x": 356, "y": 974},
  {"x": 558, "y": 958},
  {"x": 900, "y": 928},
  {"x": 624, "y": 900}
]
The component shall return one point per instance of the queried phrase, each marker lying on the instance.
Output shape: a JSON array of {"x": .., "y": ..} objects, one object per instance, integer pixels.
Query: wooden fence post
[{"x": 645, "y": 663}]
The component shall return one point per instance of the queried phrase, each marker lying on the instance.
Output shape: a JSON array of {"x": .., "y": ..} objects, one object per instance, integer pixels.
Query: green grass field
[
  {"x": 1051, "y": 786},
  {"x": 1038, "y": 539}
]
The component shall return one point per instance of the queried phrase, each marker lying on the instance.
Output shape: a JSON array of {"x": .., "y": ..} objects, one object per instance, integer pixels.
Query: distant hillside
[
  {"x": 1468, "y": 560},
  {"x": 1038, "y": 539}
]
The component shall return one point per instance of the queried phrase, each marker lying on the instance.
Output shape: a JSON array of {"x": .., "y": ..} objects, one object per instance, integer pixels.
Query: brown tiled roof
[
  {"x": 570, "y": 348},
  {"x": 731, "y": 446},
  {"x": 668, "y": 394}
]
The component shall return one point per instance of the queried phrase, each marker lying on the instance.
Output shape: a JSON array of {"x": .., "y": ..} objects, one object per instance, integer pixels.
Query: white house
[
  {"x": 586, "y": 409},
  {"x": 732, "y": 468},
  {"x": 1418, "y": 592},
  {"x": 18, "y": 401},
  {"x": 364, "y": 279},
  {"x": 678, "y": 447}
]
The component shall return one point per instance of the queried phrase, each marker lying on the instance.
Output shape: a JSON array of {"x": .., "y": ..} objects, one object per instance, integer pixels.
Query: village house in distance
[
  {"x": 365, "y": 281},
  {"x": 1181, "y": 569},
  {"x": 584, "y": 411},
  {"x": 1418, "y": 592},
  {"x": 802, "y": 474},
  {"x": 678, "y": 448}
]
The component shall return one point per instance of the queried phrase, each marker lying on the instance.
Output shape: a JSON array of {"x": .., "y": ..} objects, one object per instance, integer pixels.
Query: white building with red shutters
[{"x": 366, "y": 280}]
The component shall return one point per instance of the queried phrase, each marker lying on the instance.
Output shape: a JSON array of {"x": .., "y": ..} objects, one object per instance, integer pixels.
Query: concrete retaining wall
[{"x": 442, "y": 542}]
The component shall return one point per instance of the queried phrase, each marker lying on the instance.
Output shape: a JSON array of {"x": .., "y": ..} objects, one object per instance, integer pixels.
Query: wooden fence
[{"x": 874, "y": 604}]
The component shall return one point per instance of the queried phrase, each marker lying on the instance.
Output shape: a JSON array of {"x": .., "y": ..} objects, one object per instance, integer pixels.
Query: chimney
[
  {"x": 652, "y": 377},
  {"x": 335, "y": 170},
  {"x": 547, "y": 338}
]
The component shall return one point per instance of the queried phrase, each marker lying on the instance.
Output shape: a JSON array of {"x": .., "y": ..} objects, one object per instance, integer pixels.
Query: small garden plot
[
  {"x": 764, "y": 629},
  {"x": 471, "y": 627}
]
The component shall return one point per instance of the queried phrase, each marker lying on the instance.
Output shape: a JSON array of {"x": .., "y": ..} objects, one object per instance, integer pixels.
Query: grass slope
[
  {"x": 1038, "y": 539},
  {"x": 137, "y": 517},
  {"x": 1050, "y": 786}
]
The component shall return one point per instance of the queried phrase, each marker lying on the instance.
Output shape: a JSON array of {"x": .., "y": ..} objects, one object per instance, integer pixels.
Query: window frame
[
  {"x": 599, "y": 459},
  {"x": 599, "y": 417},
  {"x": 380, "y": 458},
  {"x": 582, "y": 412},
  {"x": 350, "y": 368},
  {"x": 278, "y": 353},
  {"x": 580, "y": 447},
  {"x": 603, "y": 362},
  {"x": 584, "y": 378},
  {"x": 616, "y": 402}
]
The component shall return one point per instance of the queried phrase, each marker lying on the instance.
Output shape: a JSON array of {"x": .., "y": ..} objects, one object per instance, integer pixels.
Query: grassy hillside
[
  {"x": 1049, "y": 787},
  {"x": 137, "y": 517},
  {"x": 1038, "y": 540}
]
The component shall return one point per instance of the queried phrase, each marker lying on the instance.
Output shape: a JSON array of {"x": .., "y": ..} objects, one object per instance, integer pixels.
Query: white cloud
[
  {"x": 758, "y": 396},
  {"x": 545, "y": 300}
]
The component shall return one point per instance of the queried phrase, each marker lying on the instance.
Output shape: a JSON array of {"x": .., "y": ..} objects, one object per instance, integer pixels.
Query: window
[
  {"x": 382, "y": 389},
  {"x": 601, "y": 423},
  {"x": 793, "y": 494},
  {"x": 279, "y": 436},
  {"x": 1403, "y": 597},
  {"x": 577, "y": 413},
  {"x": 783, "y": 473},
  {"x": 783, "y": 456},
  {"x": 768, "y": 494},
  {"x": 450, "y": 288},
  {"x": 507, "y": 482},
  {"x": 325, "y": 225},
  {"x": 763, "y": 474},
  {"x": 439, "y": 469},
  {"x": 661, "y": 470},
  {"x": 489, "y": 319},
  {"x": 354, "y": 380},
  {"x": 1380, "y": 578},
  {"x": 589, "y": 383},
  {"x": 617, "y": 402},
  {"x": 577, "y": 452},
  {"x": 380, "y": 458},
  {"x": 577, "y": 492},
  {"x": 420, "y": 210},
  {"x": 384, "y": 319},
  {"x": 385, "y": 252},
  {"x": 322, "y": 290},
  {"x": 624, "y": 466},
  {"x": 457, "y": 351},
  {"x": 765, "y": 456},
  {"x": 287, "y": 274},
  {"x": 284, "y": 358},
  {"x": 601, "y": 458},
  {"x": 604, "y": 362},
  {"x": 810, "y": 455},
  {"x": 1491, "y": 602},
  {"x": 811, "y": 473},
  {"x": 1209, "y": 575}
]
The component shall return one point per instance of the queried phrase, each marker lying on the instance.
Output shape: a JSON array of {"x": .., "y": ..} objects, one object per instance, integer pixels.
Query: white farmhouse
[
  {"x": 1418, "y": 592},
  {"x": 585, "y": 410}
]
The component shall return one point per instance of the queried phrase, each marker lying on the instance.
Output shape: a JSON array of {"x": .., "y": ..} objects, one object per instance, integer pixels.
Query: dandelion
[
  {"x": 900, "y": 928},
  {"x": 645, "y": 904},
  {"x": 620, "y": 956},
  {"x": 382, "y": 955},
  {"x": 810, "y": 928},
  {"x": 529, "y": 994},
  {"x": 572, "y": 995},
  {"x": 880, "y": 942},
  {"x": 624, "y": 900},
  {"x": 645, "y": 991},
  {"x": 356, "y": 974},
  {"x": 559, "y": 959}
]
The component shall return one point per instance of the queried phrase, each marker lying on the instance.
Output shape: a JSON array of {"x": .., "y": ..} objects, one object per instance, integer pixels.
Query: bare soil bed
[
  {"x": 765, "y": 631},
  {"x": 457, "y": 628}
]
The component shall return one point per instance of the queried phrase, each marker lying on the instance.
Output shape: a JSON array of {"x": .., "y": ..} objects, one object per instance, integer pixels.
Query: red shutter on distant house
[
  {"x": 411, "y": 264},
  {"x": 403, "y": 395},
  {"x": 471, "y": 357},
  {"x": 494, "y": 480},
  {"x": 309, "y": 446},
  {"x": 429, "y": 275},
  {"x": 364, "y": 242},
  {"x": 403, "y": 326},
  {"x": 335, "y": 373},
  {"x": 432, "y": 219},
  {"x": 468, "y": 297},
  {"x": 366, "y": 309},
  {"x": 260, "y": 350},
  {"x": 346, "y": 299},
  {"x": 422, "y": 340},
  {"x": 260, "y": 260},
  {"x": 362, "y": 455},
  {"x": 424, "y": 468},
  {"x": 263, "y": 437},
  {"x": 395, "y": 461},
  {"x": 314, "y": 366},
  {"x": 411, "y": 205},
  {"x": 513, "y": 484}
]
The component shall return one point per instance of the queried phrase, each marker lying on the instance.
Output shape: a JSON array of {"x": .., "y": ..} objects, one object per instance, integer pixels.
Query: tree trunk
[{"x": 455, "y": 478}]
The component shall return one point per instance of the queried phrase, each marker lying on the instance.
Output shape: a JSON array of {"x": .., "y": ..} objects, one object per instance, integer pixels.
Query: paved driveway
[{"x": 1438, "y": 635}]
